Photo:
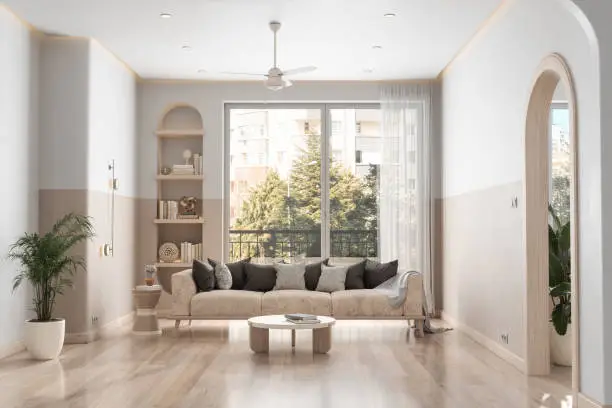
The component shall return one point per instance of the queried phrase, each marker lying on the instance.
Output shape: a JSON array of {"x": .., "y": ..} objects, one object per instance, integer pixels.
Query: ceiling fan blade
[
  {"x": 287, "y": 83},
  {"x": 301, "y": 70},
  {"x": 242, "y": 73}
]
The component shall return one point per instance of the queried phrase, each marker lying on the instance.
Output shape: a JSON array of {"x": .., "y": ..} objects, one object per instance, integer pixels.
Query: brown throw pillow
[
  {"x": 259, "y": 278},
  {"x": 203, "y": 276},
  {"x": 237, "y": 270},
  {"x": 377, "y": 273}
]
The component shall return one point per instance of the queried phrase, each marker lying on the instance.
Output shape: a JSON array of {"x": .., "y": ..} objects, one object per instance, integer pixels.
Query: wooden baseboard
[
  {"x": 586, "y": 402},
  {"x": 486, "y": 342},
  {"x": 110, "y": 329},
  {"x": 79, "y": 338},
  {"x": 11, "y": 348}
]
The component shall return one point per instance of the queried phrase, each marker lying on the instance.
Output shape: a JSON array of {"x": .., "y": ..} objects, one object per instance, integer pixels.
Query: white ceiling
[{"x": 233, "y": 35}]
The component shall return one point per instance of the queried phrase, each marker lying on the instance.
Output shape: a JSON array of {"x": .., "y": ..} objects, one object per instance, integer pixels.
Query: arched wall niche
[{"x": 180, "y": 117}]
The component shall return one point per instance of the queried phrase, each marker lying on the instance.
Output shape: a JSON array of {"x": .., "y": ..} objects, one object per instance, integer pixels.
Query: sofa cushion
[
  {"x": 259, "y": 278},
  {"x": 296, "y": 301},
  {"x": 377, "y": 273},
  {"x": 226, "y": 303},
  {"x": 363, "y": 303},
  {"x": 203, "y": 276},
  {"x": 237, "y": 270}
]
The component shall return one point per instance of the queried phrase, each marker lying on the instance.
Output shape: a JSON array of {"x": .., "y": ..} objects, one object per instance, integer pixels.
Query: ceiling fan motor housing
[{"x": 275, "y": 82}]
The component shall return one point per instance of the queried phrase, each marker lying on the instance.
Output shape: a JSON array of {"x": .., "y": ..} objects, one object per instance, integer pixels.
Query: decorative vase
[
  {"x": 44, "y": 340},
  {"x": 561, "y": 347}
]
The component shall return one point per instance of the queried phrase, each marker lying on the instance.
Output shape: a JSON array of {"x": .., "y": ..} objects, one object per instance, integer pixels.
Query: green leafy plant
[
  {"x": 47, "y": 263},
  {"x": 559, "y": 271}
]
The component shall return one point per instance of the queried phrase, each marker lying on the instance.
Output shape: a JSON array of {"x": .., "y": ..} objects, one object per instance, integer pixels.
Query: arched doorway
[{"x": 553, "y": 71}]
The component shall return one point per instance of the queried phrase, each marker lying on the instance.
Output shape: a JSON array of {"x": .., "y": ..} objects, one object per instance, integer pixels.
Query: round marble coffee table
[{"x": 259, "y": 332}]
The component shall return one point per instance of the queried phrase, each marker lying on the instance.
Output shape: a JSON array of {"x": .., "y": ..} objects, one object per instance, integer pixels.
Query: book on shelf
[
  {"x": 197, "y": 164},
  {"x": 190, "y": 251},
  {"x": 300, "y": 316},
  {"x": 307, "y": 321},
  {"x": 167, "y": 210},
  {"x": 188, "y": 216},
  {"x": 183, "y": 169}
]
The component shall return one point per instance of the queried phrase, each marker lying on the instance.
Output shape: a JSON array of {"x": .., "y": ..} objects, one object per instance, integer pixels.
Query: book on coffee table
[
  {"x": 306, "y": 321},
  {"x": 300, "y": 316}
]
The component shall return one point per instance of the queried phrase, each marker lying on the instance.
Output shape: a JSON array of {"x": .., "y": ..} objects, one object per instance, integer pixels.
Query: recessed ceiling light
[
  {"x": 202, "y": 71},
  {"x": 377, "y": 47},
  {"x": 165, "y": 15},
  {"x": 368, "y": 70},
  {"x": 186, "y": 47},
  {"x": 389, "y": 15}
]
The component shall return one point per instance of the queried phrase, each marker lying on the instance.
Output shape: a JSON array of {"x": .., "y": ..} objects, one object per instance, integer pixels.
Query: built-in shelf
[
  {"x": 180, "y": 221},
  {"x": 180, "y": 177},
  {"x": 180, "y": 133},
  {"x": 173, "y": 265}
]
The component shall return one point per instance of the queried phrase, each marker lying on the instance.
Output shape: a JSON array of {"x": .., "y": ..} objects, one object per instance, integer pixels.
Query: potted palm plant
[
  {"x": 48, "y": 266},
  {"x": 560, "y": 291}
]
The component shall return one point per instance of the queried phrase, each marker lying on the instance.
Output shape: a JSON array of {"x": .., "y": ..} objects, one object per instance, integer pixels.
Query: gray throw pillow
[
  {"x": 332, "y": 278},
  {"x": 223, "y": 276},
  {"x": 290, "y": 276}
]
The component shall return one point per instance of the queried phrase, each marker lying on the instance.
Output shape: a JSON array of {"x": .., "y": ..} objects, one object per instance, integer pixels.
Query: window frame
[{"x": 326, "y": 135}]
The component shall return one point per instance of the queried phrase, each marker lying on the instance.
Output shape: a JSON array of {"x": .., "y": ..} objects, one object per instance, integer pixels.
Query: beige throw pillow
[
  {"x": 290, "y": 276},
  {"x": 332, "y": 278}
]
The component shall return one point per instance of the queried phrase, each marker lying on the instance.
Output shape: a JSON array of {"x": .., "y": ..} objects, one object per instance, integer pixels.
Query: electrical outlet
[
  {"x": 94, "y": 319},
  {"x": 505, "y": 338}
]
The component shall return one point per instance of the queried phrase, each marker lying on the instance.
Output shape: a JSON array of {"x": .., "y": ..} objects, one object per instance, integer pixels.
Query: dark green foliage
[
  {"x": 559, "y": 271},
  {"x": 47, "y": 263}
]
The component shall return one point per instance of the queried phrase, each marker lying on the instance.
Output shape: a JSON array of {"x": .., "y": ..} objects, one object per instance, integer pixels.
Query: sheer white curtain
[{"x": 405, "y": 180}]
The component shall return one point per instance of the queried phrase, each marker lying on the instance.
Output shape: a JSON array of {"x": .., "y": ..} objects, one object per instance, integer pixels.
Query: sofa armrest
[
  {"x": 413, "y": 306},
  {"x": 183, "y": 289}
]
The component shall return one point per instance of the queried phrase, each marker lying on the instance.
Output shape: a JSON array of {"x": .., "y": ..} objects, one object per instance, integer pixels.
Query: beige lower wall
[
  {"x": 104, "y": 290},
  {"x": 483, "y": 263},
  {"x": 111, "y": 278},
  {"x": 73, "y": 305}
]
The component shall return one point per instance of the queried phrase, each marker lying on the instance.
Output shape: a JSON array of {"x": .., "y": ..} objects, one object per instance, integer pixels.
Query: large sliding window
[{"x": 302, "y": 180}]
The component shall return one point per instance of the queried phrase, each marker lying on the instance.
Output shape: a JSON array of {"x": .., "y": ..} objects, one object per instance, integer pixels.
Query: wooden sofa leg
[
  {"x": 177, "y": 323},
  {"x": 418, "y": 331}
]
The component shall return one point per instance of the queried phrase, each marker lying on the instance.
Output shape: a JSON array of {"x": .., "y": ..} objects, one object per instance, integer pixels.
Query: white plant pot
[
  {"x": 44, "y": 340},
  {"x": 561, "y": 347}
]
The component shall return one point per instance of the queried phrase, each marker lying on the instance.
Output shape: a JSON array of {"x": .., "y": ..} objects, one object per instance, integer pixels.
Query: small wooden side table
[{"x": 145, "y": 318}]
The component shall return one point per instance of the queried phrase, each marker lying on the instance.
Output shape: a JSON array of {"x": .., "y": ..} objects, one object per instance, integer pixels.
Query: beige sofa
[{"x": 187, "y": 304}]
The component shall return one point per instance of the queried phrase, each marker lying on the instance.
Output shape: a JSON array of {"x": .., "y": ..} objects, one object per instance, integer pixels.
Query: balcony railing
[{"x": 287, "y": 243}]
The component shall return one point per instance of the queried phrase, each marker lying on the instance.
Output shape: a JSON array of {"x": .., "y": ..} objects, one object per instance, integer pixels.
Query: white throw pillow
[
  {"x": 223, "y": 277},
  {"x": 332, "y": 278},
  {"x": 290, "y": 276}
]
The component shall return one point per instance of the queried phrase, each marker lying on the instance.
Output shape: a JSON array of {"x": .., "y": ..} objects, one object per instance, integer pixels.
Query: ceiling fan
[{"x": 276, "y": 78}]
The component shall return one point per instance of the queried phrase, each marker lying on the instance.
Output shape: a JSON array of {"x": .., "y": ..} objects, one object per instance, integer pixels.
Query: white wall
[
  {"x": 88, "y": 117},
  {"x": 111, "y": 135},
  {"x": 483, "y": 149},
  {"x": 111, "y": 122},
  {"x": 64, "y": 73},
  {"x": 208, "y": 98},
  {"x": 598, "y": 13},
  {"x": 19, "y": 139}
]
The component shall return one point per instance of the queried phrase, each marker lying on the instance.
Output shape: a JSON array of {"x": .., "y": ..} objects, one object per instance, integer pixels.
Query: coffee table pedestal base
[{"x": 259, "y": 339}]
